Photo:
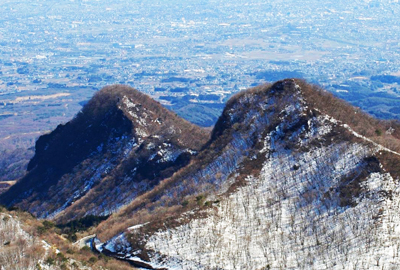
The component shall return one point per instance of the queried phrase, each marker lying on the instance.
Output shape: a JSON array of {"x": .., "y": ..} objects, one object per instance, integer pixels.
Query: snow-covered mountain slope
[
  {"x": 287, "y": 187},
  {"x": 291, "y": 178},
  {"x": 120, "y": 145}
]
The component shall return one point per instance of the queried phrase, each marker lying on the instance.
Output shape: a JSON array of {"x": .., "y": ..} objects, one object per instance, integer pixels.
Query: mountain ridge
[
  {"x": 290, "y": 129},
  {"x": 283, "y": 162}
]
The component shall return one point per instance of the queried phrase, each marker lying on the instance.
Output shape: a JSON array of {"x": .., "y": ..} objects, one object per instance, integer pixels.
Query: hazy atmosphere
[
  {"x": 186, "y": 53},
  {"x": 199, "y": 134}
]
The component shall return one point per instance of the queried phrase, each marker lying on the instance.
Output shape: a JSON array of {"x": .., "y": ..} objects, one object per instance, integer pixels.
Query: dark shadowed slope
[{"x": 120, "y": 145}]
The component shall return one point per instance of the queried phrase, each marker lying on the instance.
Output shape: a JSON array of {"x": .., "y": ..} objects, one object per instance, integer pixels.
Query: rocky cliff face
[
  {"x": 119, "y": 146},
  {"x": 299, "y": 189}
]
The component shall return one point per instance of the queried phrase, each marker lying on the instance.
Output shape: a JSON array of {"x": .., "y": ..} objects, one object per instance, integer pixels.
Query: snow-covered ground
[
  {"x": 282, "y": 220},
  {"x": 292, "y": 215},
  {"x": 291, "y": 219}
]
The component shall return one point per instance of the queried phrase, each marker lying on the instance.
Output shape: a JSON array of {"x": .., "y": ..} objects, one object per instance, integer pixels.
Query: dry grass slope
[{"x": 22, "y": 247}]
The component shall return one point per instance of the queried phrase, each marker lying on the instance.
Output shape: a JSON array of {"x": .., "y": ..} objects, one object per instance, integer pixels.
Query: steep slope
[
  {"x": 281, "y": 184},
  {"x": 120, "y": 145},
  {"x": 30, "y": 244}
]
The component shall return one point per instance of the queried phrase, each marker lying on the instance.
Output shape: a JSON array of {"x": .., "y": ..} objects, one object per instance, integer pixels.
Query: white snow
[
  {"x": 168, "y": 155},
  {"x": 292, "y": 219},
  {"x": 380, "y": 147},
  {"x": 275, "y": 220},
  {"x": 137, "y": 226},
  {"x": 141, "y": 132},
  {"x": 128, "y": 103},
  {"x": 293, "y": 215}
]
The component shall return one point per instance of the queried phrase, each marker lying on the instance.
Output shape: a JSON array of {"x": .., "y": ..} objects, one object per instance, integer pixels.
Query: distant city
[{"x": 189, "y": 55}]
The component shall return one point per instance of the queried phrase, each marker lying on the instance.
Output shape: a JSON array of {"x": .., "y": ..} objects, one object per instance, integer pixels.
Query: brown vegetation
[
  {"x": 384, "y": 132},
  {"x": 391, "y": 163},
  {"x": 20, "y": 251},
  {"x": 178, "y": 189}
]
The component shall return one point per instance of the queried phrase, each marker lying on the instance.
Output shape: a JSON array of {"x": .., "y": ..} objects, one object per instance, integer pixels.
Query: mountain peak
[
  {"x": 122, "y": 140},
  {"x": 255, "y": 101},
  {"x": 285, "y": 162},
  {"x": 276, "y": 161}
]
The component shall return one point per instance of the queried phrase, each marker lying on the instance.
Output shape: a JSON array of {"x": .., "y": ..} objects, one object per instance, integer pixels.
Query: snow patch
[
  {"x": 141, "y": 132},
  {"x": 380, "y": 147},
  {"x": 137, "y": 226}
]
